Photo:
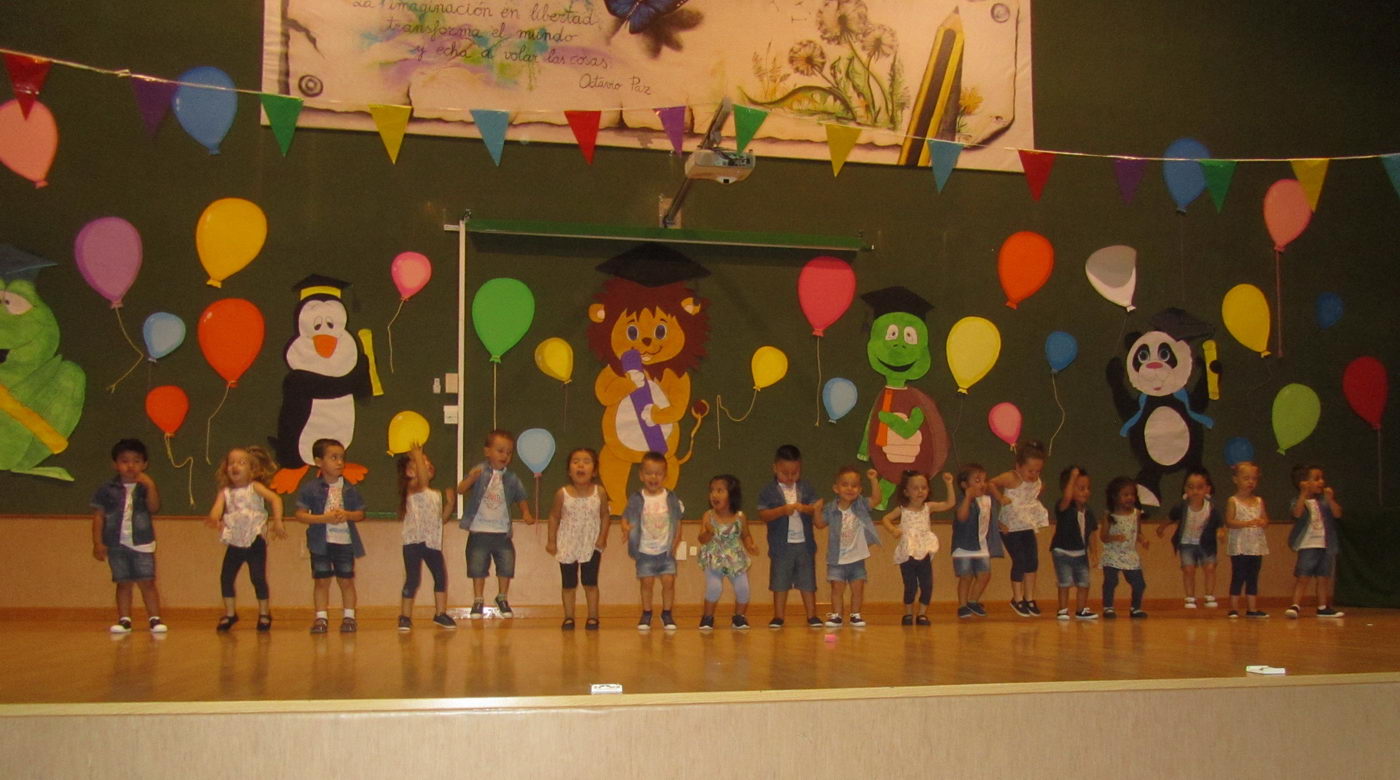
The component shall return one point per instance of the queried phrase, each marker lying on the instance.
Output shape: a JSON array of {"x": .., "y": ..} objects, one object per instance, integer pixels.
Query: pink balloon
[
  {"x": 1005, "y": 421},
  {"x": 1366, "y": 386},
  {"x": 411, "y": 272},
  {"x": 1286, "y": 212},
  {"x": 28, "y": 145},
  {"x": 108, "y": 251},
  {"x": 825, "y": 289}
]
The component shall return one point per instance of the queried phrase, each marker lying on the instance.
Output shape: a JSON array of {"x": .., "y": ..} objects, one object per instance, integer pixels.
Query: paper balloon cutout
[
  {"x": 768, "y": 365},
  {"x": 1060, "y": 350},
  {"x": 1365, "y": 384},
  {"x": 28, "y": 144},
  {"x": 167, "y": 406},
  {"x": 535, "y": 448},
  {"x": 1113, "y": 273},
  {"x": 1246, "y": 315},
  {"x": 1329, "y": 309},
  {"x": 108, "y": 253},
  {"x": 1005, "y": 421},
  {"x": 555, "y": 359},
  {"x": 230, "y": 336},
  {"x": 825, "y": 288},
  {"x": 974, "y": 344},
  {"x": 502, "y": 311},
  {"x": 1024, "y": 265},
  {"x": 205, "y": 103},
  {"x": 163, "y": 333},
  {"x": 1296, "y": 412},
  {"x": 1185, "y": 178},
  {"x": 1238, "y": 450},
  {"x": 1286, "y": 212},
  {"x": 406, "y": 429},
  {"x": 229, "y": 234},
  {"x": 839, "y": 396},
  {"x": 410, "y": 272}
]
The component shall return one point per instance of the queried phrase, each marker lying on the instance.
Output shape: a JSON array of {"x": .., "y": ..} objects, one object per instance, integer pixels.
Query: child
[
  {"x": 725, "y": 547},
  {"x": 787, "y": 505},
  {"x": 1021, "y": 514},
  {"x": 1072, "y": 547},
  {"x": 240, "y": 512},
  {"x": 1198, "y": 523},
  {"x": 331, "y": 507},
  {"x": 1314, "y": 538},
  {"x": 1246, "y": 518},
  {"x": 487, "y": 518},
  {"x": 917, "y": 544},
  {"x": 974, "y": 541},
  {"x": 652, "y": 523},
  {"x": 578, "y": 532},
  {"x": 848, "y": 540},
  {"x": 1120, "y": 538},
  {"x": 123, "y": 535},
  {"x": 423, "y": 512}
]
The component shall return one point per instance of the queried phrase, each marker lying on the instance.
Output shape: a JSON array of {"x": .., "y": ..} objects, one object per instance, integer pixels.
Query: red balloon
[
  {"x": 825, "y": 289},
  {"x": 230, "y": 336},
  {"x": 167, "y": 406},
  {"x": 1365, "y": 385},
  {"x": 1024, "y": 265}
]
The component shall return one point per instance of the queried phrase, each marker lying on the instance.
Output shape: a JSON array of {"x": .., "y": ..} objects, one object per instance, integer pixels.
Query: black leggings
[
  {"x": 1025, "y": 556},
  {"x": 569, "y": 572},
  {"x": 255, "y": 555},
  {"x": 1244, "y": 574},
  {"x": 1110, "y": 584},
  {"x": 414, "y": 555},
  {"x": 917, "y": 576}
]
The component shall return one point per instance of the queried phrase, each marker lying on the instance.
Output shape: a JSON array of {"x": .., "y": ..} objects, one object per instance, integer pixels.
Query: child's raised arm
[
  {"x": 877, "y": 493},
  {"x": 216, "y": 512},
  {"x": 964, "y": 507},
  {"x": 469, "y": 480},
  {"x": 271, "y": 500},
  {"x": 551, "y": 545},
  {"x": 1332, "y": 504},
  {"x": 420, "y": 468},
  {"x": 888, "y": 522},
  {"x": 950, "y": 499},
  {"x": 1067, "y": 493}
]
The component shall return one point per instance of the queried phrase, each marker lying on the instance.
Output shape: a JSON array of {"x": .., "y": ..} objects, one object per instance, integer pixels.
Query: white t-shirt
[
  {"x": 337, "y": 533},
  {"x": 984, "y": 520},
  {"x": 795, "y": 533},
  {"x": 492, "y": 514},
  {"x": 853, "y": 545},
  {"x": 656, "y": 524},
  {"x": 126, "y": 522},
  {"x": 1195, "y": 523},
  {"x": 1316, "y": 537}
]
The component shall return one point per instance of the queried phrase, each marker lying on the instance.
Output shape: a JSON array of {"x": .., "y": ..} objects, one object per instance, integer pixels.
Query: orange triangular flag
[
  {"x": 585, "y": 127},
  {"x": 391, "y": 121},
  {"x": 1310, "y": 174},
  {"x": 840, "y": 139},
  {"x": 1037, "y": 166}
]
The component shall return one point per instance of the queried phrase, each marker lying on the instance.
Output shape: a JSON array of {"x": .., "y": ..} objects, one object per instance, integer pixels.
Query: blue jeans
[
  {"x": 128, "y": 565},
  {"x": 339, "y": 562},
  {"x": 971, "y": 566},
  {"x": 1194, "y": 555},
  {"x": 1071, "y": 571},
  {"x": 655, "y": 565},
  {"x": 846, "y": 572},
  {"x": 792, "y": 567},
  {"x": 483, "y": 547},
  {"x": 1314, "y": 562}
]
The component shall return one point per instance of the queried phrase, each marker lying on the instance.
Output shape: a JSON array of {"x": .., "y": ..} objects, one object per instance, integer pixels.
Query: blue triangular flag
[
  {"x": 1392, "y": 167},
  {"x": 944, "y": 156},
  {"x": 492, "y": 125}
]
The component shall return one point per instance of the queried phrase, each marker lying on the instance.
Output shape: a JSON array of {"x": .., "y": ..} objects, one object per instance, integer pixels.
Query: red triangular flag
[
  {"x": 1037, "y": 166},
  {"x": 585, "y": 127},
  {"x": 27, "y": 76}
]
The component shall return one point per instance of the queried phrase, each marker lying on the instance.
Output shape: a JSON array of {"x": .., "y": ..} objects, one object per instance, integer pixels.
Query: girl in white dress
[
  {"x": 1121, "y": 537},
  {"x": 578, "y": 532},
  {"x": 423, "y": 511},
  {"x": 241, "y": 512},
  {"x": 917, "y": 544},
  {"x": 1021, "y": 516},
  {"x": 1246, "y": 518}
]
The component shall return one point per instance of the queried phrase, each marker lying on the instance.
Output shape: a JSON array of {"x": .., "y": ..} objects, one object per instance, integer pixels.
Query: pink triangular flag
[
  {"x": 1129, "y": 174},
  {"x": 585, "y": 127},
  {"x": 1310, "y": 174},
  {"x": 840, "y": 139},
  {"x": 27, "y": 76},
  {"x": 673, "y": 120},
  {"x": 1037, "y": 166},
  {"x": 391, "y": 121}
]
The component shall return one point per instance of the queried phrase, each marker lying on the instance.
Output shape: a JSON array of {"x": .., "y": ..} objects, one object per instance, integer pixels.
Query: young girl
[
  {"x": 423, "y": 511},
  {"x": 1197, "y": 522},
  {"x": 1021, "y": 515},
  {"x": 1121, "y": 538},
  {"x": 578, "y": 532},
  {"x": 241, "y": 512},
  {"x": 917, "y": 544},
  {"x": 1246, "y": 517},
  {"x": 725, "y": 547}
]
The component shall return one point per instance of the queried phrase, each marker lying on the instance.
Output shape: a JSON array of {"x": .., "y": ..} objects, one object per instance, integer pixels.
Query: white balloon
[{"x": 1113, "y": 273}]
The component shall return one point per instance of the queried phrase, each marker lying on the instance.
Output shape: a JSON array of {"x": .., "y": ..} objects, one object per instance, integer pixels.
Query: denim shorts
[
  {"x": 793, "y": 566},
  {"x": 971, "y": 566},
  {"x": 483, "y": 547},
  {"x": 655, "y": 565},
  {"x": 129, "y": 565},
  {"x": 1071, "y": 570},
  {"x": 339, "y": 562},
  {"x": 1314, "y": 562},
  {"x": 1195, "y": 555},
  {"x": 846, "y": 572}
]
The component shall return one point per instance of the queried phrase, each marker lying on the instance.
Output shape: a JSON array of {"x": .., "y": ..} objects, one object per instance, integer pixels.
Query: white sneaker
[
  {"x": 832, "y": 620},
  {"x": 857, "y": 620},
  {"x": 158, "y": 627},
  {"x": 122, "y": 626},
  {"x": 1190, "y": 602},
  {"x": 1210, "y": 602},
  {"x": 1062, "y": 614}
]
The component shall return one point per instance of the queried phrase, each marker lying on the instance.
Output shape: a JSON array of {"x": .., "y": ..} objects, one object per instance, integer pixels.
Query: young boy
[
  {"x": 330, "y": 506},
  {"x": 486, "y": 517},
  {"x": 787, "y": 505},
  {"x": 652, "y": 524},
  {"x": 122, "y": 533},
  {"x": 975, "y": 539},
  {"x": 1314, "y": 538},
  {"x": 1072, "y": 547},
  {"x": 849, "y": 540}
]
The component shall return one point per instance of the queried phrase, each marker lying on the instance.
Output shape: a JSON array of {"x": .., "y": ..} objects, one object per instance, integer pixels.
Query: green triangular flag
[
  {"x": 1218, "y": 175},
  {"x": 282, "y": 112},
  {"x": 746, "y": 122}
]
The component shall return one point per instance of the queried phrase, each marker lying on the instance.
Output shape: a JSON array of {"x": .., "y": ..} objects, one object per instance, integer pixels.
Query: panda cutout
[{"x": 1163, "y": 424}]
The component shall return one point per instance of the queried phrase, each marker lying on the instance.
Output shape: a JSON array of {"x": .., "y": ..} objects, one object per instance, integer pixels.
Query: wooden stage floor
[{"x": 49, "y": 661}]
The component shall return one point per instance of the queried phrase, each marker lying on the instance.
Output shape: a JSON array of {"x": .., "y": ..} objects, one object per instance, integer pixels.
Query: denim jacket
[
  {"x": 1329, "y": 527},
  {"x": 1209, "y": 539},
  {"x": 771, "y": 497},
  {"x": 965, "y": 532},
  {"x": 312, "y": 498},
  {"x": 111, "y": 499},
  {"x": 633, "y": 515},
  {"x": 831, "y": 513},
  {"x": 514, "y": 490}
]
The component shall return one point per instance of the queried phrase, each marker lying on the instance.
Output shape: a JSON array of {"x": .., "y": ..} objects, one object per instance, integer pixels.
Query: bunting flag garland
[
  {"x": 282, "y": 112},
  {"x": 153, "y": 98},
  {"x": 391, "y": 122},
  {"x": 1037, "y": 166},
  {"x": 943, "y": 157},
  {"x": 1129, "y": 173},
  {"x": 1218, "y": 173},
  {"x": 492, "y": 126},
  {"x": 673, "y": 122},
  {"x": 1310, "y": 174},
  {"x": 585, "y": 127},
  {"x": 27, "y": 76},
  {"x": 1392, "y": 169},
  {"x": 840, "y": 139},
  {"x": 747, "y": 120}
]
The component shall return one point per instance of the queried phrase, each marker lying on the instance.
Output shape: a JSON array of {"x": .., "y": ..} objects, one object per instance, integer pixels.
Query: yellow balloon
[
  {"x": 229, "y": 234},
  {"x": 405, "y": 430},
  {"x": 1246, "y": 314},
  {"x": 974, "y": 344},
  {"x": 769, "y": 364},
  {"x": 555, "y": 358}
]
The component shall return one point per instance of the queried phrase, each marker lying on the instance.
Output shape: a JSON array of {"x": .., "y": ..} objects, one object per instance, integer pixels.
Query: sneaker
[
  {"x": 1256, "y": 613},
  {"x": 122, "y": 626},
  {"x": 405, "y": 623},
  {"x": 776, "y": 622},
  {"x": 1211, "y": 603},
  {"x": 833, "y": 620},
  {"x": 922, "y": 620},
  {"x": 814, "y": 622},
  {"x": 444, "y": 620},
  {"x": 158, "y": 627},
  {"x": 644, "y": 624},
  {"x": 504, "y": 606},
  {"x": 1085, "y": 614},
  {"x": 1032, "y": 608},
  {"x": 1293, "y": 610},
  {"x": 707, "y": 623},
  {"x": 1328, "y": 612},
  {"x": 963, "y": 612},
  {"x": 1110, "y": 614},
  {"x": 667, "y": 622},
  {"x": 740, "y": 622},
  {"x": 1062, "y": 614},
  {"x": 977, "y": 608},
  {"x": 319, "y": 625},
  {"x": 1137, "y": 613},
  {"x": 478, "y": 611},
  {"x": 1190, "y": 602},
  {"x": 1234, "y": 613},
  {"x": 1019, "y": 607},
  {"x": 857, "y": 620},
  {"x": 348, "y": 625}
]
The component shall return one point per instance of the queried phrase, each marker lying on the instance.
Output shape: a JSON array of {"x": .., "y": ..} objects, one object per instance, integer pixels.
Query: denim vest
[
  {"x": 771, "y": 497},
  {"x": 111, "y": 499},
  {"x": 1067, "y": 535},
  {"x": 1209, "y": 540},
  {"x": 633, "y": 515},
  {"x": 831, "y": 513},
  {"x": 1329, "y": 528},
  {"x": 510, "y": 485},
  {"x": 312, "y": 498},
  {"x": 965, "y": 532}
]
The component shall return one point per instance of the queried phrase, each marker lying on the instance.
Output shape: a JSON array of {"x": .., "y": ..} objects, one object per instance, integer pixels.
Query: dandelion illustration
[
  {"x": 842, "y": 21},
  {"x": 807, "y": 58},
  {"x": 879, "y": 41}
]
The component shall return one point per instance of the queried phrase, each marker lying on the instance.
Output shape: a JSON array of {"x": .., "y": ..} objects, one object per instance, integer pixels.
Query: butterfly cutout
[{"x": 640, "y": 14}]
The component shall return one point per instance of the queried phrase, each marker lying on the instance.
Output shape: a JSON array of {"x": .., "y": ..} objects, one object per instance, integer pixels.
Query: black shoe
[
  {"x": 707, "y": 622},
  {"x": 921, "y": 620},
  {"x": 1137, "y": 613},
  {"x": 776, "y": 622},
  {"x": 1256, "y": 613},
  {"x": 1019, "y": 607},
  {"x": 907, "y": 620},
  {"x": 590, "y": 624},
  {"x": 977, "y": 608},
  {"x": 1109, "y": 613},
  {"x": 667, "y": 622},
  {"x": 405, "y": 623},
  {"x": 1033, "y": 608},
  {"x": 1328, "y": 612},
  {"x": 567, "y": 625},
  {"x": 814, "y": 622},
  {"x": 644, "y": 624},
  {"x": 740, "y": 622},
  {"x": 503, "y": 607},
  {"x": 444, "y": 620},
  {"x": 225, "y": 623}
]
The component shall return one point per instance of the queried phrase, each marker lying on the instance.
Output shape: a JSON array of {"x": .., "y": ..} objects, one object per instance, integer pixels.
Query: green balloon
[
  {"x": 502, "y": 311},
  {"x": 1296, "y": 411}
]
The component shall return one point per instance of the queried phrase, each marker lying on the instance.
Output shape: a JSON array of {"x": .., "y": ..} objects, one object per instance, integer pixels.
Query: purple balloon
[{"x": 108, "y": 251}]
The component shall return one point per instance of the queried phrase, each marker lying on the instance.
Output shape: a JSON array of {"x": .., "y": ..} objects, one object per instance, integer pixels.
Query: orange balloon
[
  {"x": 231, "y": 336},
  {"x": 167, "y": 406},
  {"x": 1024, "y": 265}
]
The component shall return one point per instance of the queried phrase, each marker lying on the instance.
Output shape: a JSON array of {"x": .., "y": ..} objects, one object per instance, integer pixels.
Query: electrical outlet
[
  {"x": 680, "y": 552},
  {"x": 450, "y": 381},
  {"x": 449, "y": 414},
  {"x": 437, "y": 385}
]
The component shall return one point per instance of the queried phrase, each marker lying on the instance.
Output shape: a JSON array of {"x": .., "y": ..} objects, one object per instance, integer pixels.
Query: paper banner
[
  {"x": 492, "y": 125},
  {"x": 27, "y": 76},
  {"x": 673, "y": 120},
  {"x": 1310, "y": 174},
  {"x": 1392, "y": 169},
  {"x": 840, "y": 139},
  {"x": 391, "y": 122},
  {"x": 585, "y": 127},
  {"x": 153, "y": 101},
  {"x": 1037, "y": 165},
  {"x": 1218, "y": 175},
  {"x": 282, "y": 112},
  {"x": 1129, "y": 174},
  {"x": 943, "y": 155},
  {"x": 747, "y": 120}
]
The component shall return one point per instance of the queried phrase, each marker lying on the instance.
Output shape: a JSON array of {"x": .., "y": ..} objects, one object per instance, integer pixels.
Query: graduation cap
[
  {"x": 897, "y": 298},
  {"x": 17, "y": 264},
  {"x": 653, "y": 265},
  {"x": 316, "y": 284},
  {"x": 1180, "y": 325}
]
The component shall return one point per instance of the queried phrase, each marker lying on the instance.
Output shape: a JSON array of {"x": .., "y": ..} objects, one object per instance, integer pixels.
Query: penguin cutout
[
  {"x": 1163, "y": 424},
  {"x": 328, "y": 371}
]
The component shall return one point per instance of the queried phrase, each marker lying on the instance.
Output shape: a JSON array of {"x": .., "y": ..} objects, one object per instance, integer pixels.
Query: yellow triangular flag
[
  {"x": 1310, "y": 174},
  {"x": 840, "y": 139},
  {"x": 391, "y": 121}
]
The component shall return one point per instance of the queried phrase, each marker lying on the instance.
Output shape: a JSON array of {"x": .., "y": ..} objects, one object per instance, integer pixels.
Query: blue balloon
[
  {"x": 163, "y": 332},
  {"x": 1060, "y": 350},
  {"x": 839, "y": 396},
  {"x": 1237, "y": 450},
  {"x": 205, "y": 113},
  {"x": 1329, "y": 309},
  {"x": 535, "y": 447},
  {"x": 1186, "y": 179}
]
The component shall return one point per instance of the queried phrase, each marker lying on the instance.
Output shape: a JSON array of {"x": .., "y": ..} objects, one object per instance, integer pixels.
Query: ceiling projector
[{"x": 721, "y": 165}]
